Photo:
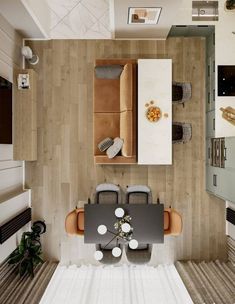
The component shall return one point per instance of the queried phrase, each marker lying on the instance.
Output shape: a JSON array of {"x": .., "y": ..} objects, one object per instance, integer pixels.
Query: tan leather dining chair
[
  {"x": 74, "y": 222},
  {"x": 172, "y": 222}
]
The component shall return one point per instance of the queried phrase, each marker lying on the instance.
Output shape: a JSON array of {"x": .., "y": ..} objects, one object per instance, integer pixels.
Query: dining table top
[{"x": 147, "y": 221}]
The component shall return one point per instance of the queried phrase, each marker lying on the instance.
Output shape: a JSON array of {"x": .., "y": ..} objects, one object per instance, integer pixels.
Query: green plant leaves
[
  {"x": 23, "y": 267},
  {"x": 37, "y": 260},
  {"x": 16, "y": 251},
  {"x": 28, "y": 254},
  {"x": 30, "y": 268},
  {"x": 15, "y": 259}
]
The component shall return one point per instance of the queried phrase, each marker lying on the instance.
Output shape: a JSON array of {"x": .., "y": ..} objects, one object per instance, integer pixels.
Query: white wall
[
  {"x": 18, "y": 13},
  {"x": 40, "y": 12},
  {"x": 11, "y": 172},
  {"x": 10, "y": 42}
]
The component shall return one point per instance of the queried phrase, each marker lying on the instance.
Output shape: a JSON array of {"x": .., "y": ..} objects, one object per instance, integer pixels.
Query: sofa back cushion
[
  {"x": 112, "y": 71},
  {"x": 126, "y": 88},
  {"x": 126, "y": 132}
]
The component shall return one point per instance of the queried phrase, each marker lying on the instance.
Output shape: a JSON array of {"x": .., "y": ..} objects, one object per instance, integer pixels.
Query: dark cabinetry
[{"x": 226, "y": 80}]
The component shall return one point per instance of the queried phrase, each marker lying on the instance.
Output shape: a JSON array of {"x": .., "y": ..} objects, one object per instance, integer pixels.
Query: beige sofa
[{"x": 115, "y": 111}]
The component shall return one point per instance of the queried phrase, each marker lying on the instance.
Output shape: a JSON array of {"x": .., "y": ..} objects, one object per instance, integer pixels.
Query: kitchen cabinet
[
  {"x": 225, "y": 181},
  {"x": 210, "y": 89},
  {"x": 212, "y": 81},
  {"x": 211, "y": 181},
  {"x": 230, "y": 153},
  {"x": 208, "y": 97},
  {"x": 220, "y": 182},
  {"x": 210, "y": 124},
  {"x": 208, "y": 151}
]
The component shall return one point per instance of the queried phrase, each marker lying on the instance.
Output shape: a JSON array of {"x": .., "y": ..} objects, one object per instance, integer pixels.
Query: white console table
[{"x": 155, "y": 138}]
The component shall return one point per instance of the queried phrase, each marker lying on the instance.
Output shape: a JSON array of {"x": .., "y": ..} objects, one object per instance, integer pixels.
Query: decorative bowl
[{"x": 153, "y": 113}]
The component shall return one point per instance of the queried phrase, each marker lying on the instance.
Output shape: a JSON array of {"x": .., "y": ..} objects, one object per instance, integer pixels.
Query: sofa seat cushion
[
  {"x": 105, "y": 125},
  {"x": 126, "y": 132},
  {"x": 106, "y": 95},
  {"x": 126, "y": 88}
]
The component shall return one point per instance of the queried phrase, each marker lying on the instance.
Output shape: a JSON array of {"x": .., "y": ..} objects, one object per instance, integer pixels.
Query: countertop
[{"x": 224, "y": 55}]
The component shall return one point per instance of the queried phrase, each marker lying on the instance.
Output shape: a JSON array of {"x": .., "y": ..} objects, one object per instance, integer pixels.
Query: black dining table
[{"x": 147, "y": 221}]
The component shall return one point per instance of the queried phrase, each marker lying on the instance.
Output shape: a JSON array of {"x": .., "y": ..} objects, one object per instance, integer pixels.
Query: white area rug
[{"x": 121, "y": 284}]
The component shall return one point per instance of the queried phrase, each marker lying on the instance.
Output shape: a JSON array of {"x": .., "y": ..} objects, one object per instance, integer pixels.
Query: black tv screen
[{"x": 5, "y": 111}]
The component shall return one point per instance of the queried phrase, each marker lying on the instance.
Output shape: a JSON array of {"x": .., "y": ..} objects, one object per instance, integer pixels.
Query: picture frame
[{"x": 144, "y": 15}]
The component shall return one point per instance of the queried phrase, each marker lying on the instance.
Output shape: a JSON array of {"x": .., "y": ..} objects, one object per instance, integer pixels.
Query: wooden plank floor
[{"x": 65, "y": 173}]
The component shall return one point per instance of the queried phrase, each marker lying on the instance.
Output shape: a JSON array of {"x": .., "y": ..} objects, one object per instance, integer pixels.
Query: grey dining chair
[
  {"x": 181, "y": 92},
  {"x": 141, "y": 255},
  {"x": 107, "y": 194},
  {"x": 181, "y": 132},
  {"x": 108, "y": 258},
  {"x": 138, "y": 194}
]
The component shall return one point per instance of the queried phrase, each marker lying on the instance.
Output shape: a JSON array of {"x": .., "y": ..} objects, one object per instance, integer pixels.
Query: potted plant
[
  {"x": 230, "y": 4},
  {"x": 28, "y": 254}
]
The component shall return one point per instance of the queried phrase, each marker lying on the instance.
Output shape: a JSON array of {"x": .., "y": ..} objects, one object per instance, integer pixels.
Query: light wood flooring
[{"x": 65, "y": 173}]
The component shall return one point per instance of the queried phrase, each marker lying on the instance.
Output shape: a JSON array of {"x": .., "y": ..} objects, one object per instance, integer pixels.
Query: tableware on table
[
  {"x": 98, "y": 255},
  {"x": 119, "y": 212},
  {"x": 116, "y": 252},
  {"x": 133, "y": 244},
  {"x": 102, "y": 229}
]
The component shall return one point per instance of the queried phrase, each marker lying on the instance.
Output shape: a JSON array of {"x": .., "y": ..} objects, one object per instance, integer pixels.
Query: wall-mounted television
[{"x": 5, "y": 111}]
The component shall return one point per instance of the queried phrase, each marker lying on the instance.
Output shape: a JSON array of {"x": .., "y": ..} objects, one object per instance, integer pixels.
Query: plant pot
[
  {"x": 230, "y": 7},
  {"x": 39, "y": 226}
]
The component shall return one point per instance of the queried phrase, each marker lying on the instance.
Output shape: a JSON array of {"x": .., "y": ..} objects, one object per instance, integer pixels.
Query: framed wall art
[{"x": 144, "y": 15}]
